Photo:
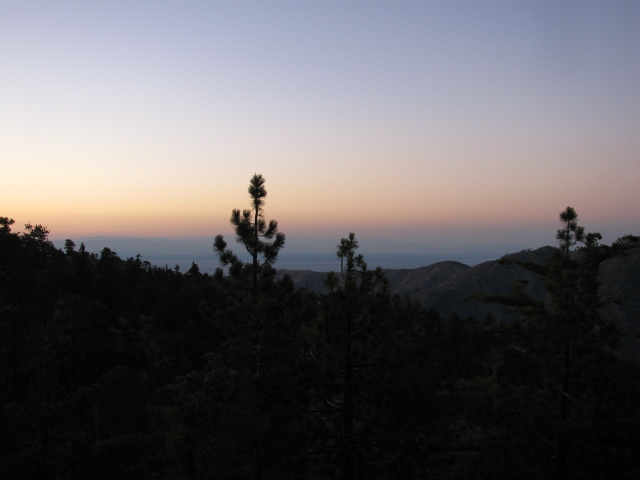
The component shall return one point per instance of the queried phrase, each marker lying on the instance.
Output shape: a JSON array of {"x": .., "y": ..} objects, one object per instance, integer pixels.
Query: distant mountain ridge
[
  {"x": 453, "y": 294},
  {"x": 448, "y": 285}
]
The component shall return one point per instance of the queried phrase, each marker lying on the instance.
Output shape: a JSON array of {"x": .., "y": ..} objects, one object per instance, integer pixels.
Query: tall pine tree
[{"x": 253, "y": 231}]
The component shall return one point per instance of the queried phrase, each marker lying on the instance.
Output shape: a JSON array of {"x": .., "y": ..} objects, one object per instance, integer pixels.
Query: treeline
[{"x": 114, "y": 368}]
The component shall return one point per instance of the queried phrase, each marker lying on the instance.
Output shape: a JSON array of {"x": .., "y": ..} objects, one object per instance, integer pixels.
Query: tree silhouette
[
  {"x": 351, "y": 352},
  {"x": 252, "y": 230},
  {"x": 558, "y": 333},
  {"x": 571, "y": 233},
  {"x": 69, "y": 246}
]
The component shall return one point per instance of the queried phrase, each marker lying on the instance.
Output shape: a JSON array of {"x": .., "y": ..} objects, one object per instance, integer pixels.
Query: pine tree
[
  {"x": 558, "y": 335},
  {"x": 571, "y": 233},
  {"x": 351, "y": 357},
  {"x": 252, "y": 230}
]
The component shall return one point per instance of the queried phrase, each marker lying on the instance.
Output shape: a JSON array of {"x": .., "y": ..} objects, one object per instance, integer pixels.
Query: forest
[{"x": 116, "y": 368}]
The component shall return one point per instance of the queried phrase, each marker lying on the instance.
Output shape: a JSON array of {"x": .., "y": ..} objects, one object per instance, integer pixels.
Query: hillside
[
  {"x": 619, "y": 279},
  {"x": 491, "y": 277},
  {"x": 114, "y": 365},
  {"x": 402, "y": 281},
  {"x": 447, "y": 287}
]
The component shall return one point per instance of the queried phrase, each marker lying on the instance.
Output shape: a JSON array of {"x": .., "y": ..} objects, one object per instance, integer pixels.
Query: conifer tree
[
  {"x": 253, "y": 231},
  {"x": 571, "y": 233},
  {"x": 562, "y": 284},
  {"x": 558, "y": 332},
  {"x": 352, "y": 355}
]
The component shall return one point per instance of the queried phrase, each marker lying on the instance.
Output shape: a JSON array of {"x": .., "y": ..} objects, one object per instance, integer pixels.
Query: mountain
[
  {"x": 403, "y": 281},
  {"x": 619, "y": 279},
  {"x": 452, "y": 295},
  {"x": 412, "y": 281},
  {"x": 448, "y": 286}
]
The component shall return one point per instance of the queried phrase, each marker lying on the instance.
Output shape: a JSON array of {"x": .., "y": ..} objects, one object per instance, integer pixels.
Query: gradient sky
[{"x": 429, "y": 122}]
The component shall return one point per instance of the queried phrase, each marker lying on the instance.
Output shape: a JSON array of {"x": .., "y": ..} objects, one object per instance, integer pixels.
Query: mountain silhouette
[{"x": 447, "y": 286}]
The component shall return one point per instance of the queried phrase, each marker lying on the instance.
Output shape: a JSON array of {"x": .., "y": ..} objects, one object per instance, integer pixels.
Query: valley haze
[{"x": 301, "y": 252}]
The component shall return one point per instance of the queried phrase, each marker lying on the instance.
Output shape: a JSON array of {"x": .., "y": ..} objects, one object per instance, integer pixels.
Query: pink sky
[{"x": 436, "y": 122}]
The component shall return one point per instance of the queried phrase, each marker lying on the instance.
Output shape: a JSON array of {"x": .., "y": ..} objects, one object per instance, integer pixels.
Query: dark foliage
[{"x": 114, "y": 368}]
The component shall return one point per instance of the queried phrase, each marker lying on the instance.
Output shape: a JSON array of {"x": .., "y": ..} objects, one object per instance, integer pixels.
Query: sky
[{"x": 416, "y": 124}]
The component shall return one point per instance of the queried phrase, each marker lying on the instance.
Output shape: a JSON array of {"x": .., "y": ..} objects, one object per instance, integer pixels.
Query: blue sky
[{"x": 424, "y": 124}]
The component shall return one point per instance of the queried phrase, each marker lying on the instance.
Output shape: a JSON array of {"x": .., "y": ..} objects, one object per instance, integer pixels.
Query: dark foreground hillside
[{"x": 114, "y": 368}]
